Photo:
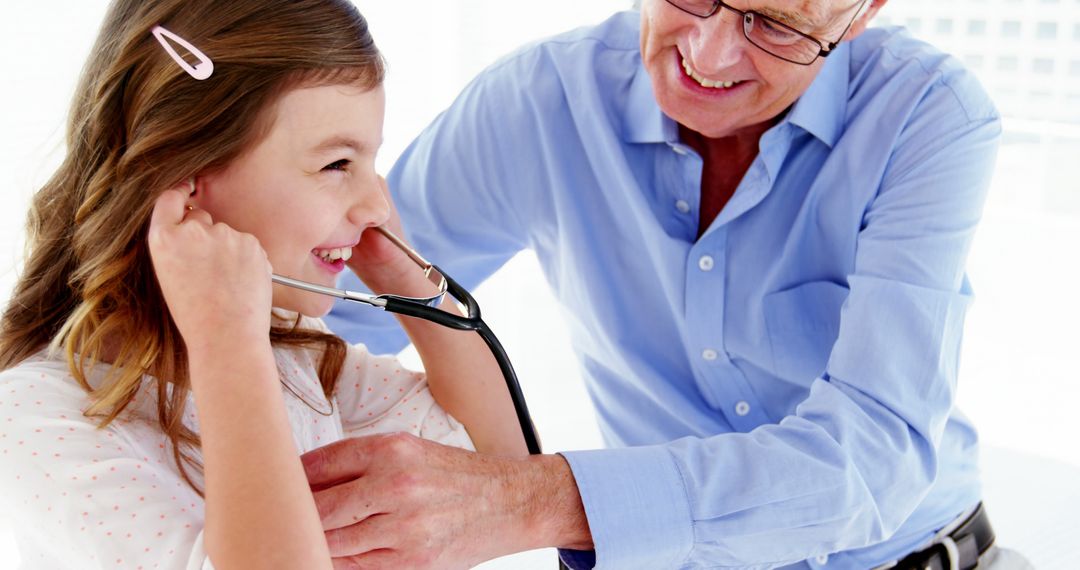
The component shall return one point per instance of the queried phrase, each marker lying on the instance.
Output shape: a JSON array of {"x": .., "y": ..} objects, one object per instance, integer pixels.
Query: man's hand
[{"x": 397, "y": 501}]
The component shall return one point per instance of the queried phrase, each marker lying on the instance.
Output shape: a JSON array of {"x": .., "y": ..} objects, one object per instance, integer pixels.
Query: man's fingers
[
  {"x": 374, "y": 560},
  {"x": 369, "y": 536},
  {"x": 345, "y": 504},
  {"x": 340, "y": 461}
]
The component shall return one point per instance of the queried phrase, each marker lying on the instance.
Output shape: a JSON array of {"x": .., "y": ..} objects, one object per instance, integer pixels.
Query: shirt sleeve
[
  {"x": 85, "y": 496},
  {"x": 860, "y": 453},
  {"x": 376, "y": 394}
]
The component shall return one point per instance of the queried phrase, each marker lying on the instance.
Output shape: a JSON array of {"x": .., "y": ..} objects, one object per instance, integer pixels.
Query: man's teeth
[
  {"x": 331, "y": 255},
  {"x": 706, "y": 82}
]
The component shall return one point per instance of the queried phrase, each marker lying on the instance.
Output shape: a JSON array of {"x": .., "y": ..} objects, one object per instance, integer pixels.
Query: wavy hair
[{"x": 140, "y": 124}]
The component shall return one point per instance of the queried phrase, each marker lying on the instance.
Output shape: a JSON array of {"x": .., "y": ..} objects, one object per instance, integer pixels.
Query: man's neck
[
  {"x": 726, "y": 160},
  {"x": 743, "y": 142}
]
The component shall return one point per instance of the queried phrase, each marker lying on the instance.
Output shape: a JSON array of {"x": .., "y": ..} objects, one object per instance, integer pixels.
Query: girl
[{"x": 148, "y": 363}]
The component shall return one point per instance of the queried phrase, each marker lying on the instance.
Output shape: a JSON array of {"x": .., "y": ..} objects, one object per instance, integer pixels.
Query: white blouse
[{"x": 80, "y": 497}]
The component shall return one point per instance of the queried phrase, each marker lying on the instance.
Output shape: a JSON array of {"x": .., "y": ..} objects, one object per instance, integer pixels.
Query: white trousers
[{"x": 1003, "y": 559}]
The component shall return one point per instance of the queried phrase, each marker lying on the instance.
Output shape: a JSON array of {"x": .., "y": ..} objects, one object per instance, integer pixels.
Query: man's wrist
[{"x": 556, "y": 515}]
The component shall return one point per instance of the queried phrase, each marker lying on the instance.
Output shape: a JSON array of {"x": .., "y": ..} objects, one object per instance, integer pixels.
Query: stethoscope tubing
[{"x": 473, "y": 322}]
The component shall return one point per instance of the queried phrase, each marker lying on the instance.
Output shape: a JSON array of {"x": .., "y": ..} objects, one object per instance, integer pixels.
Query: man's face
[{"x": 691, "y": 62}]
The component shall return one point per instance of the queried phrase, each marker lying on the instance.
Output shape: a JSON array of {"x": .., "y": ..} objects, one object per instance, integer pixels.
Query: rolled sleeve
[{"x": 617, "y": 486}]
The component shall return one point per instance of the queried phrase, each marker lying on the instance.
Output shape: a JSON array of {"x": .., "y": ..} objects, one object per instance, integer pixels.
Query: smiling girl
[{"x": 157, "y": 389}]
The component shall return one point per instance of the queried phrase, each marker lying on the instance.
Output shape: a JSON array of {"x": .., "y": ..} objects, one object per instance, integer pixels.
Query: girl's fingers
[
  {"x": 169, "y": 209},
  {"x": 198, "y": 216}
]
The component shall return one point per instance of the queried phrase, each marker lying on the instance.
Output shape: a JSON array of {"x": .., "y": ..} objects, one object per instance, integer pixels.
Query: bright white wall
[{"x": 1022, "y": 351}]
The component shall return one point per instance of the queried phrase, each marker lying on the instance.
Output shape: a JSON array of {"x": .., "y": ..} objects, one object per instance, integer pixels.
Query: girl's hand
[
  {"x": 215, "y": 280},
  {"x": 381, "y": 265}
]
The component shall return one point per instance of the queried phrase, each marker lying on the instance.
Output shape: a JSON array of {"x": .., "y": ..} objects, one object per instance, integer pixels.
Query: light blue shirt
[{"x": 781, "y": 390}]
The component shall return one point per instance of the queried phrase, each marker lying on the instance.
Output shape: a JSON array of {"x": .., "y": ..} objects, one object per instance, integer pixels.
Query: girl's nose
[{"x": 370, "y": 208}]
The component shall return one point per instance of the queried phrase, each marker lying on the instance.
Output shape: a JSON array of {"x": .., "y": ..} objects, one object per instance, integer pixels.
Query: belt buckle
[{"x": 951, "y": 551}]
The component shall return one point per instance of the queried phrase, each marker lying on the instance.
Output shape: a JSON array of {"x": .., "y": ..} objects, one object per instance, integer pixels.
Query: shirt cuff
[
  {"x": 578, "y": 559},
  {"x": 637, "y": 507}
]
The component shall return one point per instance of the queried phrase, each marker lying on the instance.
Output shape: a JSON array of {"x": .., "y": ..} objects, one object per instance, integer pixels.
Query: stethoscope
[{"x": 427, "y": 308}]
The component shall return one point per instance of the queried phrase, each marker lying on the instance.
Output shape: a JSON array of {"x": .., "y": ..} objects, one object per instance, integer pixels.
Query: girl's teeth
[{"x": 331, "y": 255}]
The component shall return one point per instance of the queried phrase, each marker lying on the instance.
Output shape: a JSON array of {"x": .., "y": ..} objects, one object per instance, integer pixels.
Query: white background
[{"x": 1018, "y": 376}]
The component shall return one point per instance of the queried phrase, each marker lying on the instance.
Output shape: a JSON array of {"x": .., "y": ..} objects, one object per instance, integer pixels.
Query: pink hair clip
[{"x": 200, "y": 70}]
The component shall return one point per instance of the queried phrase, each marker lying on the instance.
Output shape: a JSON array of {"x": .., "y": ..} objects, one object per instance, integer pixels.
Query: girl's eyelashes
[{"x": 338, "y": 165}]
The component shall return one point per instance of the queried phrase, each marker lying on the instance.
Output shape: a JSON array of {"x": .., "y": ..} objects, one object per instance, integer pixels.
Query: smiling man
[{"x": 756, "y": 216}]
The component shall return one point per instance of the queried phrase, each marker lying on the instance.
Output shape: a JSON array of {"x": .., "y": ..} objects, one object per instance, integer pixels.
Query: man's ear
[{"x": 860, "y": 24}]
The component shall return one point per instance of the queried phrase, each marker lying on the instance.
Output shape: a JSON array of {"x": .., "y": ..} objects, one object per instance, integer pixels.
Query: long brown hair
[{"x": 140, "y": 124}]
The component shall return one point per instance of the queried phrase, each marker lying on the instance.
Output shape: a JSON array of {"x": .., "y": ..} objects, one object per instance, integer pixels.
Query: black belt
[{"x": 960, "y": 550}]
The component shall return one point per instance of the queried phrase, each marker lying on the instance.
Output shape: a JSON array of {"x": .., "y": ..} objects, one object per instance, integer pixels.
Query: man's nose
[{"x": 717, "y": 42}]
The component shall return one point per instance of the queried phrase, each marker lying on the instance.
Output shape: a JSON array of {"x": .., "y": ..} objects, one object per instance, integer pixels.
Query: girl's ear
[{"x": 196, "y": 188}]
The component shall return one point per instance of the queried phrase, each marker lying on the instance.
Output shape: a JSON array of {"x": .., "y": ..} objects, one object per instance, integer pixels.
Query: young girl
[{"x": 148, "y": 362}]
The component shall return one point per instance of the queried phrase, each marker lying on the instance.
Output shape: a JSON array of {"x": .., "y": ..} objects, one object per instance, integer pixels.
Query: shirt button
[
  {"x": 822, "y": 559},
  {"x": 709, "y": 354},
  {"x": 682, "y": 206},
  {"x": 705, "y": 263},
  {"x": 742, "y": 408}
]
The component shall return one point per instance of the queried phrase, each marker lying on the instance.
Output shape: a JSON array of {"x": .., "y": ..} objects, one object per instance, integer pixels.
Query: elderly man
[{"x": 756, "y": 215}]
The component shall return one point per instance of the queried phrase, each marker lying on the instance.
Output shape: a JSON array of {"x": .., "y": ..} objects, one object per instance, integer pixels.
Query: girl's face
[{"x": 308, "y": 189}]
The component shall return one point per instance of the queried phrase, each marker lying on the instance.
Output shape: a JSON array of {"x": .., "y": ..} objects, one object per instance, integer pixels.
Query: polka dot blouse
[{"x": 79, "y": 497}]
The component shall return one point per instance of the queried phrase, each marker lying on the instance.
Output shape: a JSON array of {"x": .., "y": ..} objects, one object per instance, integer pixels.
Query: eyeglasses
[
  {"x": 773, "y": 37},
  {"x": 427, "y": 308}
]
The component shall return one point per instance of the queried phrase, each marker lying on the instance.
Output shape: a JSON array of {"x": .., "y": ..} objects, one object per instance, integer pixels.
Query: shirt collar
[
  {"x": 643, "y": 121},
  {"x": 820, "y": 111},
  {"x": 822, "y": 108}
]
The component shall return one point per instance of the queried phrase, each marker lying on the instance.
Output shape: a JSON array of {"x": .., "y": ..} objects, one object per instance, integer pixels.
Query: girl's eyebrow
[{"x": 338, "y": 142}]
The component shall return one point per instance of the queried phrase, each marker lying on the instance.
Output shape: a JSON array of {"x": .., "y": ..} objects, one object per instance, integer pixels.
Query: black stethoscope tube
[{"x": 474, "y": 323}]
